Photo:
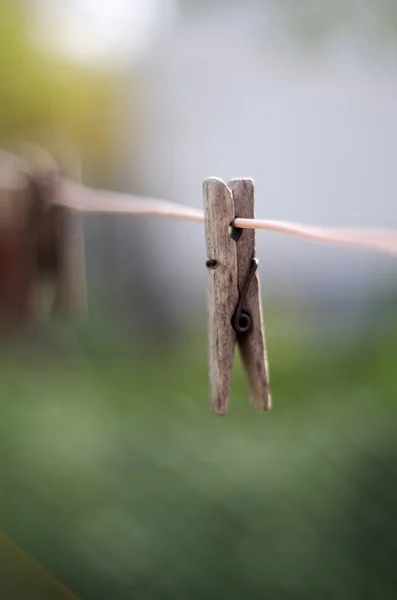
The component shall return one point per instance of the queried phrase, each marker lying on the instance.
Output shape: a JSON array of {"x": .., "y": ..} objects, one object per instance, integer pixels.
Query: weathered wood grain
[
  {"x": 222, "y": 292},
  {"x": 252, "y": 345}
]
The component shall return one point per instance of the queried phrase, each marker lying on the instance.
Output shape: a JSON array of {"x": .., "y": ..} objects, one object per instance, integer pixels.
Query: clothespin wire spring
[{"x": 241, "y": 320}]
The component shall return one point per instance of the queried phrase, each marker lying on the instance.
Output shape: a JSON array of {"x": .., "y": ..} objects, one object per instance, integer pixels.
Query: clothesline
[{"x": 87, "y": 200}]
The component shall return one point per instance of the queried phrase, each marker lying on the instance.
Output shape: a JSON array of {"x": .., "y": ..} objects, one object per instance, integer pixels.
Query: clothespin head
[{"x": 233, "y": 294}]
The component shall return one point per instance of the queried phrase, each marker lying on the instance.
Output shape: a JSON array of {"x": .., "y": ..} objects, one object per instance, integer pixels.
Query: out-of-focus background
[{"x": 114, "y": 474}]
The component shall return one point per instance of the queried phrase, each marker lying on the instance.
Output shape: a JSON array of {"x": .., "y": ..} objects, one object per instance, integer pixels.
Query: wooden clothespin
[
  {"x": 59, "y": 239},
  {"x": 233, "y": 300},
  {"x": 42, "y": 258}
]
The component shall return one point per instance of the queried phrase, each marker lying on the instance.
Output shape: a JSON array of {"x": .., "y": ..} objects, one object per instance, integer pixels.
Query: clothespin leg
[
  {"x": 222, "y": 291},
  {"x": 252, "y": 345},
  {"x": 71, "y": 286}
]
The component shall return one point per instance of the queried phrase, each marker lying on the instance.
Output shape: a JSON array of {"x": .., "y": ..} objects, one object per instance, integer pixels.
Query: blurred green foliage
[
  {"x": 319, "y": 20},
  {"x": 119, "y": 480},
  {"x": 316, "y": 21},
  {"x": 44, "y": 99}
]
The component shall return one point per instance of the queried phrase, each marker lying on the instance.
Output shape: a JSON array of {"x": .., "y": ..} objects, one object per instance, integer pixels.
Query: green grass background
[{"x": 117, "y": 478}]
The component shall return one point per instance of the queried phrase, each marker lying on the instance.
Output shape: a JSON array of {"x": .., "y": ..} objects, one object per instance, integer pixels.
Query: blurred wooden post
[
  {"x": 17, "y": 265},
  {"x": 41, "y": 244}
]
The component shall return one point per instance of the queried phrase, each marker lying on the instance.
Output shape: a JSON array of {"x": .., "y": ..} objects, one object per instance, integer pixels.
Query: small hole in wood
[
  {"x": 244, "y": 323},
  {"x": 211, "y": 263},
  {"x": 235, "y": 233}
]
